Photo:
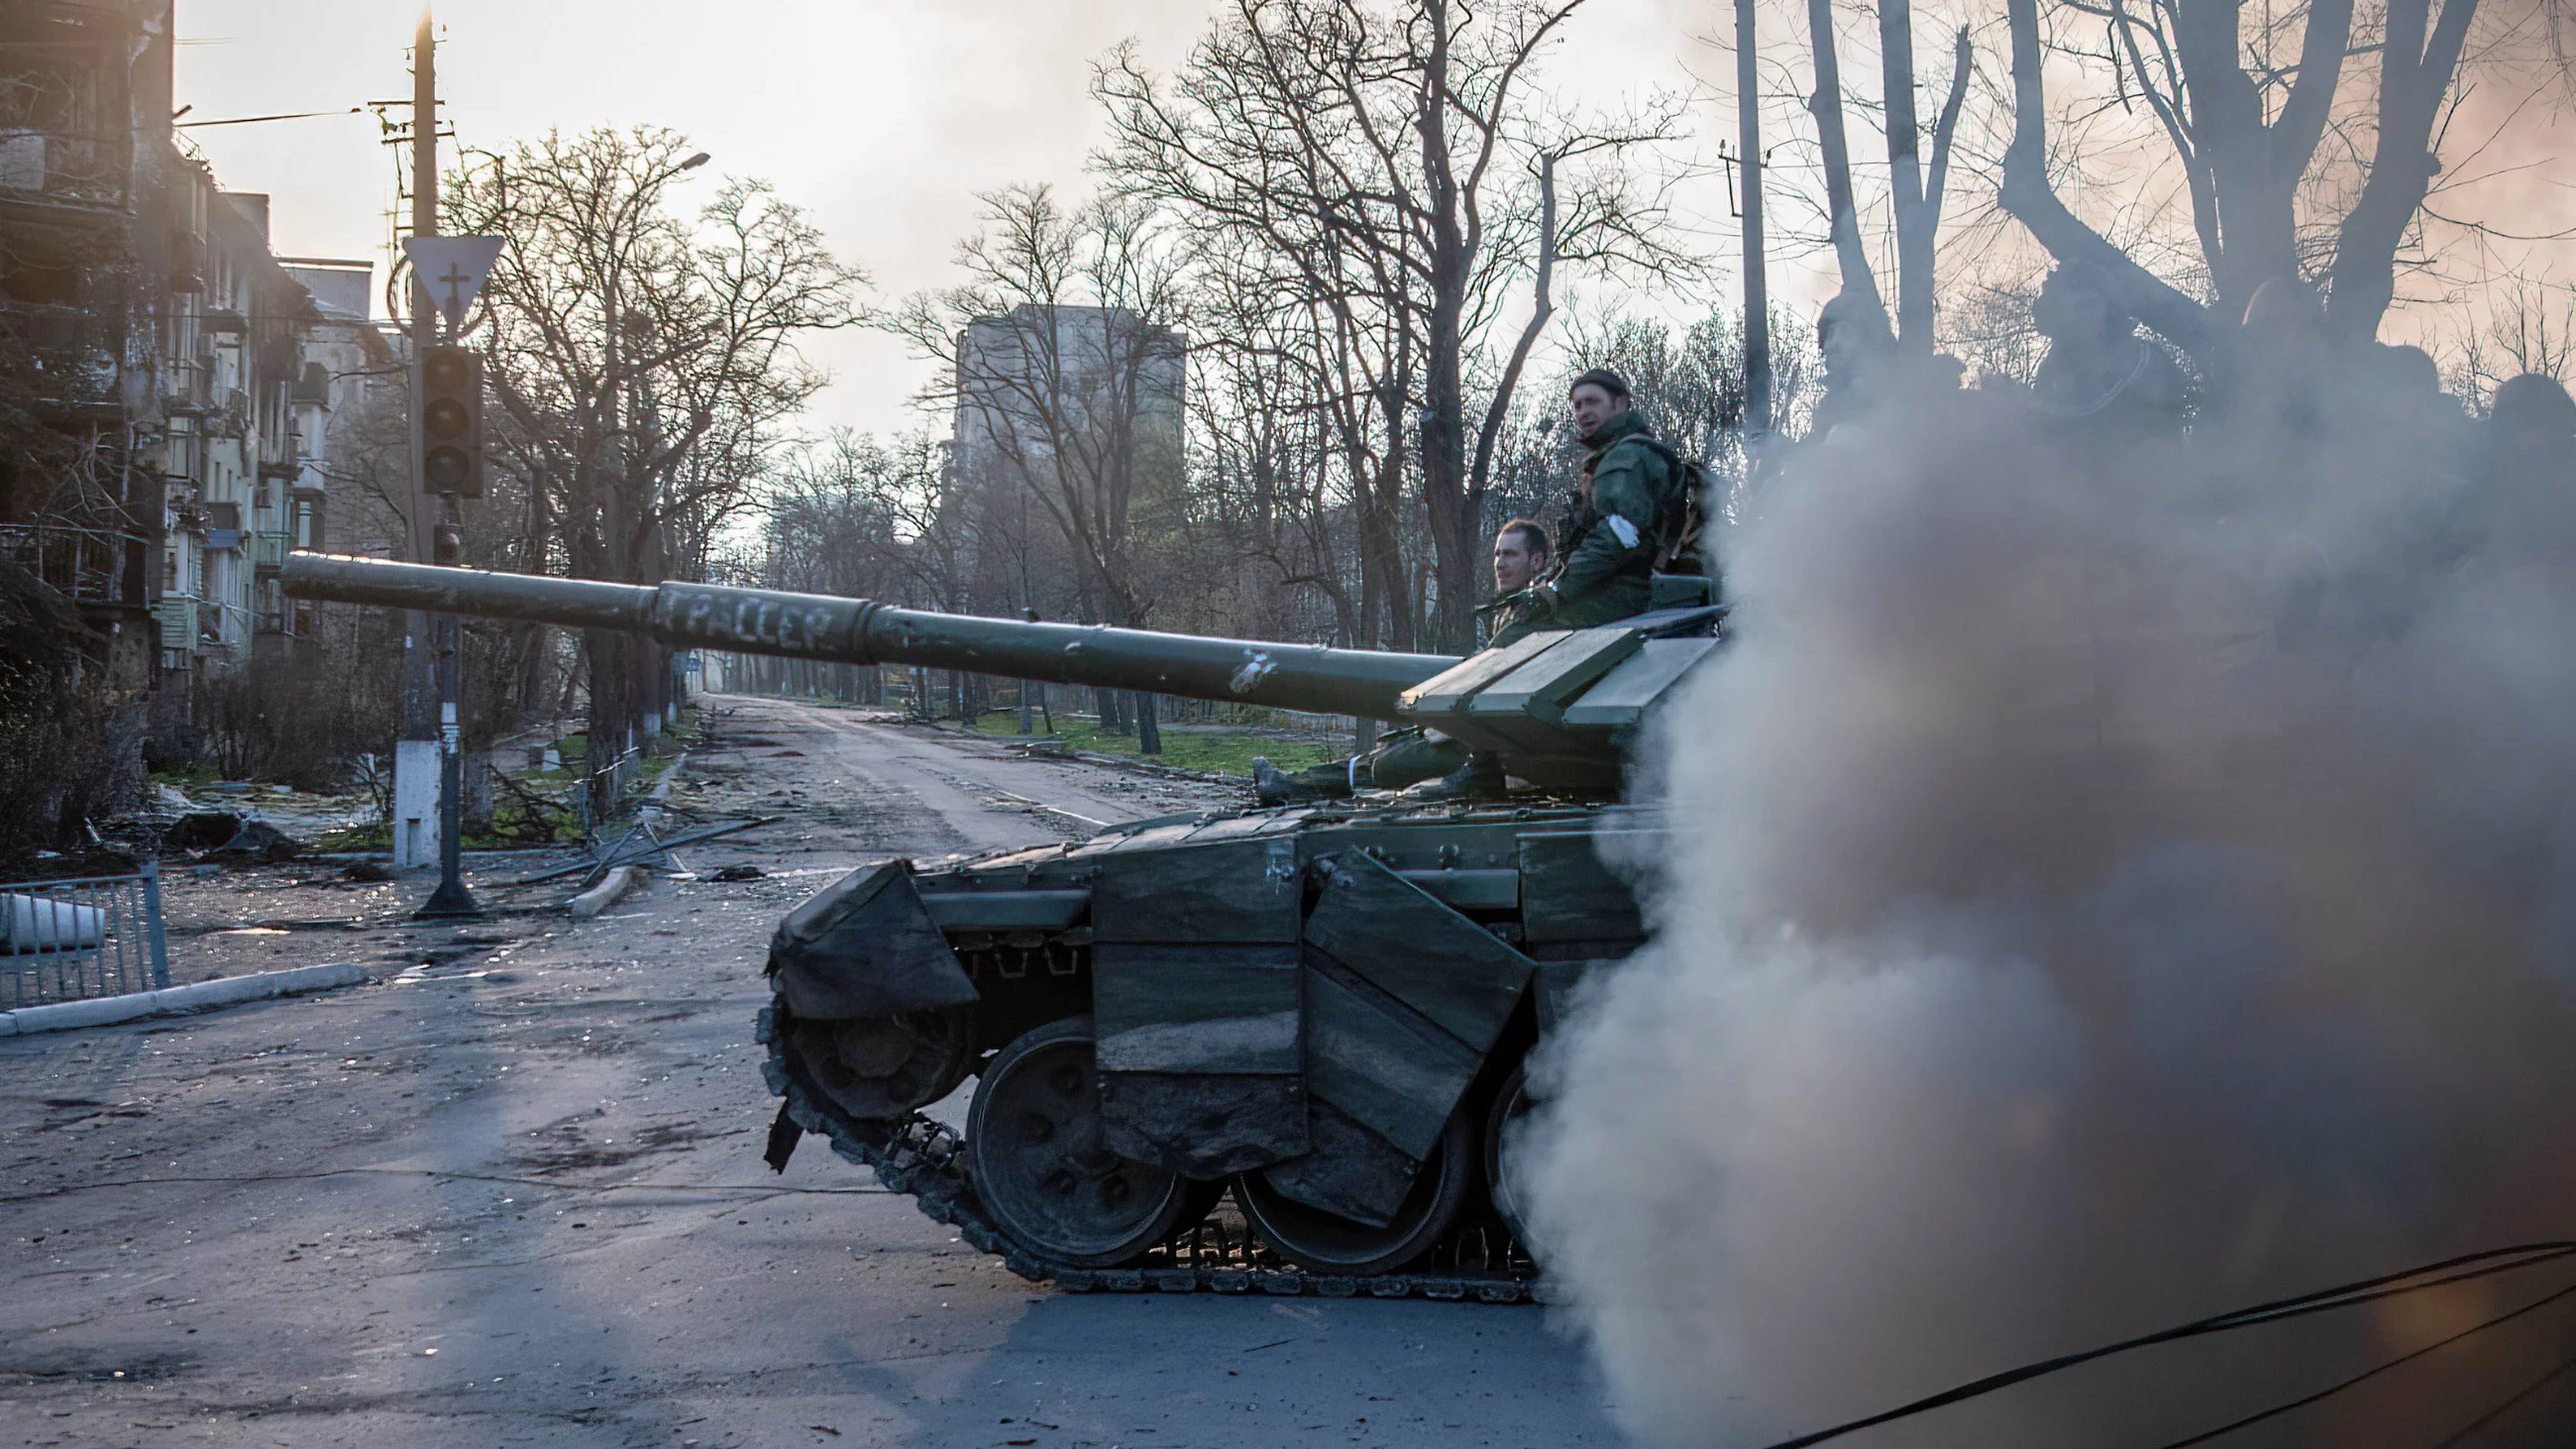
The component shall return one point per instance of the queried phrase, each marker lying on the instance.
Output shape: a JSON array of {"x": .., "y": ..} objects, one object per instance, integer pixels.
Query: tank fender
[{"x": 865, "y": 946}]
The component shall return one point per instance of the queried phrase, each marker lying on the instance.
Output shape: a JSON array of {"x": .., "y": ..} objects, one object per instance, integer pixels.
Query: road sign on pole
[{"x": 451, "y": 270}]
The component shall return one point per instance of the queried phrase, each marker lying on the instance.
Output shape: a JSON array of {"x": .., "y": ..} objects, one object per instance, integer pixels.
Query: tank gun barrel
[{"x": 862, "y": 631}]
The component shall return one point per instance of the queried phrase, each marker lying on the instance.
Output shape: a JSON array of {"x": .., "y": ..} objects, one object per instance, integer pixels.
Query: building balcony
[
  {"x": 194, "y": 625},
  {"x": 186, "y": 384},
  {"x": 268, "y": 551},
  {"x": 65, "y": 169},
  {"x": 84, "y": 565},
  {"x": 72, "y": 352}
]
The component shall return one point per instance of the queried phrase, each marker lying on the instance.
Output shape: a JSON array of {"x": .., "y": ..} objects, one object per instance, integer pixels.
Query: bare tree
[
  {"x": 2417, "y": 64},
  {"x": 1915, "y": 190},
  {"x": 1064, "y": 360},
  {"x": 849, "y": 515},
  {"x": 1394, "y": 168},
  {"x": 1265, "y": 438},
  {"x": 2531, "y": 327},
  {"x": 644, "y": 360},
  {"x": 2245, "y": 102},
  {"x": 1842, "y": 213}
]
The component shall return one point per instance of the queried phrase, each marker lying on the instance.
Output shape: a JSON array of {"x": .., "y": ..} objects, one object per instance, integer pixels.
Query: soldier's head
[
  {"x": 2533, "y": 407},
  {"x": 1598, "y": 395},
  {"x": 1522, "y": 552},
  {"x": 2077, "y": 304},
  {"x": 1852, "y": 334}
]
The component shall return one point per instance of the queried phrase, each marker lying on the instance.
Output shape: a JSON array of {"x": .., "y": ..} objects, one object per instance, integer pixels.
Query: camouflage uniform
[
  {"x": 1514, "y": 619},
  {"x": 1610, "y": 542},
  {"x": 1411, "y": 755},
  {"x": 1609, "y": 552},
  {"x": 1401, "y": 757}
]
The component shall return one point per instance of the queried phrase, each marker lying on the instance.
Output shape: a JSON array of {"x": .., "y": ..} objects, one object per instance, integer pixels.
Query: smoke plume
[{"x": 2110, "y": 884}]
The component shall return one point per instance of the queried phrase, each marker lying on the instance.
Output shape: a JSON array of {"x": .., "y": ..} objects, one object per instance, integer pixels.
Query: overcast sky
[{"x": 882, "y": 119}]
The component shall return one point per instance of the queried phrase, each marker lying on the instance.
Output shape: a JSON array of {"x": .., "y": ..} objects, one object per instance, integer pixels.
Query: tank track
[{"x": 925, "y": 1160}]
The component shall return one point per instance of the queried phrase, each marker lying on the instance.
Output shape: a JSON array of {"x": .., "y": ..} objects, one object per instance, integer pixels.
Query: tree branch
[
  {"x": 2027, "y": 195},
  {"x": 1842, "y": 217}
]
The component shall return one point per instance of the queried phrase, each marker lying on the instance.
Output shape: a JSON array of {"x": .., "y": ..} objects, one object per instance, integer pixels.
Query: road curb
[{"x": 223, "y": 991}]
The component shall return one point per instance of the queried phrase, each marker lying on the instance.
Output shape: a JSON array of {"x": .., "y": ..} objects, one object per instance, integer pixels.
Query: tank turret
[{"x": 1274, "y": 1049}]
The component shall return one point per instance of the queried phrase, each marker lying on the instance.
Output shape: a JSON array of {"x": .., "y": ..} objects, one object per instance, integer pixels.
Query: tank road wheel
[
  {"x": 1505, "y": 1162},
  {"x": 880, "y": 1068},
  {"x": 1333, "y": 1246},
  {"x": 1034, "y": 1148}
]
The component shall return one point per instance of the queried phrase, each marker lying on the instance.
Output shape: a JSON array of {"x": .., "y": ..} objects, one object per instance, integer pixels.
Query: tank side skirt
[{"x": 925, "y": 1160}]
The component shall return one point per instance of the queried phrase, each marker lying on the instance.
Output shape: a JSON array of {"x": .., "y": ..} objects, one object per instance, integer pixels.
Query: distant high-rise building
[
  {"x": 1057, "y": 407},
  {"x": 1027, "y": 380}
]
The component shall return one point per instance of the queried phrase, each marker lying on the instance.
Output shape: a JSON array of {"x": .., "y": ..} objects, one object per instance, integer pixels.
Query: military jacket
[
  {"x": 1512, "y": 621},
  {"x": 1610, "y": 544}
]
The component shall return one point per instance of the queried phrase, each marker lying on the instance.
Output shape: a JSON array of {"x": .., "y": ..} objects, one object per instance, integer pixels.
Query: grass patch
[{"x": 1225, "y": 753}]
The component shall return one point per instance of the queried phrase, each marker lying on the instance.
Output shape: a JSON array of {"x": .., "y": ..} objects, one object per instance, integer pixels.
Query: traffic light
[{"x": 451, "y": 422}]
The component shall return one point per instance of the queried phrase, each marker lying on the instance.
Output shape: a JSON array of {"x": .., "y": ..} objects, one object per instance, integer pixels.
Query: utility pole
[
  {"x": 1757, "y": 290},
  {"x": 416, "y": 754},
  {"x": 439, "y": 540}
]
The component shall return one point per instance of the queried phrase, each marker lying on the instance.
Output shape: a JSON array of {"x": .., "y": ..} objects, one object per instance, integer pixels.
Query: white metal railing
[{"x": 67, "y": 940}]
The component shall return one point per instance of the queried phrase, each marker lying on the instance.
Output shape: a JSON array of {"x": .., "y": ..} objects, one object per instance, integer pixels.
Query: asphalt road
[{"x": 510, "y": 1193}]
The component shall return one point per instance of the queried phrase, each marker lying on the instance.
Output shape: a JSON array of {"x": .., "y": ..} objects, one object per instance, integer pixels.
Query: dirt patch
[{"x": 569, "y": 1146}]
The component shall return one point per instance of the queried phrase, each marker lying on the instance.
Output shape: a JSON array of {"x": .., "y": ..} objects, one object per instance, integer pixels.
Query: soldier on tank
[
  {"x": 1522, "y": 552},
  {"x": 2101, "y": 381},
  {"x": 2525, "y": 478},
  {"x": 1628, "y": 515},
  {"x": 1860, "y": 362},
  {"x": 1631, "y": 516}
]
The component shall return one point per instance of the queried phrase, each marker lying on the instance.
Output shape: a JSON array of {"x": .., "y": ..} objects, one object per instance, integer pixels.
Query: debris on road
[
  {"x": 256, "y": 842},
  {"x": 622, "y": 854},
  {"x": 200, "y": 830},
  {"x": 222, "y": 837},
  {"x": 600, "y": 897}
]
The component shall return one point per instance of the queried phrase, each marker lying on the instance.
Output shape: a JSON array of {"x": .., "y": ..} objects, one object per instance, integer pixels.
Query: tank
[{"x": 1269, "y": 1049}]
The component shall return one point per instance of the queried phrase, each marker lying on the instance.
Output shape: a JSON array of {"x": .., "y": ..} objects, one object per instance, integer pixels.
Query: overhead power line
[
  {"x": 2414, "y": 1280},
  {"x": 246, "y": 120}
]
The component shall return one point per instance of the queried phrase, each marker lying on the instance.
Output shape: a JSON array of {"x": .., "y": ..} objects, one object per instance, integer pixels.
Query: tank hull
[{"x": 1299, "y": 1002}]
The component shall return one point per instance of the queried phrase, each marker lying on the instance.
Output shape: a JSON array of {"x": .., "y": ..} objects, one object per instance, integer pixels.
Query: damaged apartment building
[{"x": 179, "y": 406}]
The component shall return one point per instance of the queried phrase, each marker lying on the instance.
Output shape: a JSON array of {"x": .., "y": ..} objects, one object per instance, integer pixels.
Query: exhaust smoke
[{"x": 2109, "y": 886}]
